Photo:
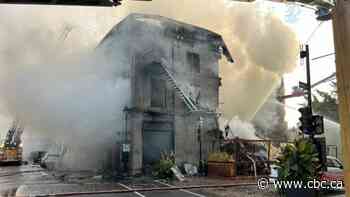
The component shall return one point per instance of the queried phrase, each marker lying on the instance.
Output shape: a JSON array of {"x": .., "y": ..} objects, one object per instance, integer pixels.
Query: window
[
  {"x": 330, "y": 163},
  {"x": 193, "y": 61},
  {"x": 158, "y": 93}
]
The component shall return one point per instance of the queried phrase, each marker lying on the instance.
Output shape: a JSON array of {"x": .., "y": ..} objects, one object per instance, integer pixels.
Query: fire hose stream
[{"x": 144, "y": 190}]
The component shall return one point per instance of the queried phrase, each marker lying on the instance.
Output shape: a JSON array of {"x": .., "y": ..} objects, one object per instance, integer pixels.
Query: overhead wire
[
  {"x": 314, "y": 31},
  {"x": 323, "y": 56}
]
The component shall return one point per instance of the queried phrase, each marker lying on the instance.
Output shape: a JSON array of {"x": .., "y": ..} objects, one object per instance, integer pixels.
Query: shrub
[
  {"x": 298, "y": 161},
  {"x": 162, "y": 169},
  {"x": 220, "y": 157}
]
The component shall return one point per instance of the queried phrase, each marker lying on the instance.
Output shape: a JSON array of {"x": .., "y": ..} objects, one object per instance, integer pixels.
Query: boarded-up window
[
  {"x": 193, "y": 61},
  {"x": 158, "y": 93}
]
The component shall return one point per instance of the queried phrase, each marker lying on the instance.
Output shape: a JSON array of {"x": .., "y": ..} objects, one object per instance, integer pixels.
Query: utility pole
[
  {"x": 306, "y": 112},
  {"x": 312, "y": 125},
  {"x": 308, "y": 78},
  {"x": 341, "y": 28}
]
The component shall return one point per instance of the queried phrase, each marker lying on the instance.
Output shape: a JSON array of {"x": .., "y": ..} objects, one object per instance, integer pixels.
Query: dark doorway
[{"x": 158, "y": 137}]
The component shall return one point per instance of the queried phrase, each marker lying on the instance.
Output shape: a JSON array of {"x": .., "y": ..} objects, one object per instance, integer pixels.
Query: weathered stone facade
[{"x": 157, "y": 118}]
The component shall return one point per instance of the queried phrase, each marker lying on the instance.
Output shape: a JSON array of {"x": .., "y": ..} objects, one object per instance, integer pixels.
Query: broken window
[
  {"x": 193, "y": 61},
  {"x": 158, "y": 93}
]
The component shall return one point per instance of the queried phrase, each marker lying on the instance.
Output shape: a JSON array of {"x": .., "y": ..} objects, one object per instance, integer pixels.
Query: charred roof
[{"x": 174, "y": 29}]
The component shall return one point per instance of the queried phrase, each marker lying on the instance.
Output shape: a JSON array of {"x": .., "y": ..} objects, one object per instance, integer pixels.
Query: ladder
[
  {"x": 13, "y": 137},
  {"x": 186, "y": 99}
]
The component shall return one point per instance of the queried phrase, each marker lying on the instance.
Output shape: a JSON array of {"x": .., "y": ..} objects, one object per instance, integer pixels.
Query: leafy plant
[
  {"x": 215, "y": 134},
  {"x": 162, "y": 169},
  {"x": 203, "y": 167},
  {"x": 216, "y": 138},
  {"x": 220, "y": 157},
  {"x": 298, "y": 162},
  {"x": 326, "y": 103}
]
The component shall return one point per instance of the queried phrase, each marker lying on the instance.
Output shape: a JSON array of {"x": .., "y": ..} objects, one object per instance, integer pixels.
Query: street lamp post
[
  {"x": 312, "y": 125},
  {"x": 199, "y": 136}
]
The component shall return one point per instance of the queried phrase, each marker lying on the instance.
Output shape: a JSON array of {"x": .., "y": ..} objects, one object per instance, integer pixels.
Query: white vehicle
[
  {"x": 334, "y": 165},
  {"x": 334, "y": 172},
  {"x": 52, "y": 159}
]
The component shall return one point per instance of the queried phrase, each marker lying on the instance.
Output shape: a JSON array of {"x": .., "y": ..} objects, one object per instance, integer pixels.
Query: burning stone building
[{"x": 173, "y": 74}]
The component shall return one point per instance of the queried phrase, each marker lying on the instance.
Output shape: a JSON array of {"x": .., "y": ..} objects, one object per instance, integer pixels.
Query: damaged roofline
[
  {"x": 226, "y": 52},
  {"x": 179, "y": 28}
]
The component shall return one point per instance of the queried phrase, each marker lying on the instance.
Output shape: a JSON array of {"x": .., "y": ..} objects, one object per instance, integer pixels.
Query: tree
[{"x": 326, "y": 103}]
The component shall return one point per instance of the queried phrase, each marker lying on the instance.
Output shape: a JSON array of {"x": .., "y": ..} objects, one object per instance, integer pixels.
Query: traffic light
[
  {"x": 310, "y": 124},
  {"x": 306, "y": 120},
  {"x": 318, "y": 124},
  {"x": 303, "y": 54}
]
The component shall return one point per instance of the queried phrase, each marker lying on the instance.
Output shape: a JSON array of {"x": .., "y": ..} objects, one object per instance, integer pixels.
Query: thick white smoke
[
  {"x": 262, "y": 45},
  {"x": 47, "y": 80},
  {"x": 74, "y": 99},
  {"x": 81, "y": 109},
  {"x": 237, "y": 128}
]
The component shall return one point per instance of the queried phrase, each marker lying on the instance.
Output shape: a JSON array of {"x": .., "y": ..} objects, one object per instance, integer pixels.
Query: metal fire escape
[{"x": 190, "y": 103}]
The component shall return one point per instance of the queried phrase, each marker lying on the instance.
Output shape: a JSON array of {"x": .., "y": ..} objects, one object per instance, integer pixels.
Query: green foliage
[
  {"x": 215, "y": 134},
  {"x": 220, "y": 157},
  {"x": 230, "y": 148},
  {"x": 327, "y": 105},
  {"x": 298, "y": 162},
  {"x": 162, "y": 169},
  {"x": 216, "y": 137}
]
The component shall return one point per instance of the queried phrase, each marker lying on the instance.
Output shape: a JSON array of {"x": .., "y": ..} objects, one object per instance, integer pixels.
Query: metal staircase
[{"x": 186, "y": 99}]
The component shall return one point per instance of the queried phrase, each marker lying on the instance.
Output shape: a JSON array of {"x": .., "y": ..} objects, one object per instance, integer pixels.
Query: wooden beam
[{"x": 341, "y": 28}]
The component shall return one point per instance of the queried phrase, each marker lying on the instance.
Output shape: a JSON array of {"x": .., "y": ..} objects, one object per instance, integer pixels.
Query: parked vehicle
[
  {"x": 334, "y": 171},
  {"x": 37, "y": 156},
  {"x": 334, "y": 164},
  {"x": 53, "y": 157},
  {"x": 49, "y": 161}
]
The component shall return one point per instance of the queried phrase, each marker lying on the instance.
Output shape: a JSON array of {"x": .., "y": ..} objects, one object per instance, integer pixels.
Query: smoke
[
  {"x": 75, "y": 99},
  {"x": 79, "y": 109},
  {"x": 263, "y": 46},
  {"x": 269, "y": 121},
  {"x": 237, "y": 128},
  {"x": 241, "y": 129},
  {"x": 267, "y": 117},
  {"x": 51, "y": 81}
]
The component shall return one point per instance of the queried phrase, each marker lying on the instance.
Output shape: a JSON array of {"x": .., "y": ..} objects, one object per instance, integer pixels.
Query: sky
[{"x": 303, "y": 22}]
